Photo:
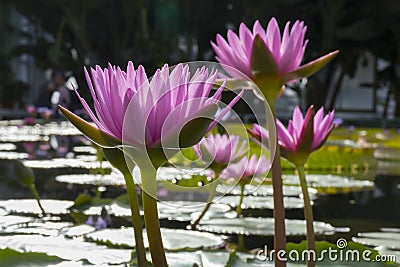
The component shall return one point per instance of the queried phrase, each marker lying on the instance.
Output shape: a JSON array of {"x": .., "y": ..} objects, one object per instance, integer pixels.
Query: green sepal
[
  {"x": 193, "y": 132},
  {"x": 309, "y": 68},
  {"x": 233, "y": 84},
  {"x": 262, "y": 61},
  {"x": 265, "y": 70},
  {"x": 99, "y": 137},
  {"x": 307, "y": 137}
]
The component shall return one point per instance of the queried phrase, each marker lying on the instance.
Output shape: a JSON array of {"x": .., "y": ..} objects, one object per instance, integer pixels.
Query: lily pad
[
  {"x": 260, "y": 202},
  {"x": 59, "y": 163},
  {"x": 7, "y": 221},
  {"x": 387, "y": 153},
  {"x": 87, "y": 158},
  {"x": 390, "y": 240},
  {"x": 264, "y": 190},
  {"x": 78, "y": 230},
  {"x": 42, "y": 228},
  {"x": 114, "y": 179},
  {"x": 91, "y": 206},
  {"x": 85, "y": 149},
  {"x": 7, "y": 146},
  {"x": 45, "y": 129},
  {"x": 172, "y": 174},
  {"x": 12, "y": 258},
  {"x": 11, "y": 155},
  {"x": 30, "y": 206},
  {"x": 3, "y": 212},
  {"x": 7, "y": 137},
  {"x": 388, "y": 167},
  {"x": 67, "y": 249},
  {"x": 189, "y": 210},
  {"x": 261, "y": 226},
  {"x": 173, "y": 239},
  {"x": 331, "y": 184}
]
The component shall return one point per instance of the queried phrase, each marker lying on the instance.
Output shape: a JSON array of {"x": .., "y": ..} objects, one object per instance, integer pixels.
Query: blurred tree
[
  {"x": 11, "y": 90},
  {"x": 75, "y": 33}
]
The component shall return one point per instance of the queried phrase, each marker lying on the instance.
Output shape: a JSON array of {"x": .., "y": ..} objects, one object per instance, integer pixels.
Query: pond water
[{"x": 354, "y": 185}]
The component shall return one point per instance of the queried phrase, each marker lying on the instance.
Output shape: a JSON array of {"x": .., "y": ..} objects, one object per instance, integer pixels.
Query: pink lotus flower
[
  {"x": 156, "y": 110},
  {"x": 220, "y": 149},
  {"x": 247, "y": 168},
  {"x": 303, "y": 135},
  {"x": 265, "y": 56}
]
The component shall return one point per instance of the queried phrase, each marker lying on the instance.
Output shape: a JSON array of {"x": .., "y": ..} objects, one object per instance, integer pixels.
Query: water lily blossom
[
  {"x": 303, "y": 134},
  {"x": 171, "y": 111},
  {"x": 247, "y": 168},
  {"x": 220, "y": 149},
  {"x": 159, "y": 108},
  {"x": 268, "y": 57}
]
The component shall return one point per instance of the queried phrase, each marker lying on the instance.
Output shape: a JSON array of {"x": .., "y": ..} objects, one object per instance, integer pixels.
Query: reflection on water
[{"x": 357, "y": 191}]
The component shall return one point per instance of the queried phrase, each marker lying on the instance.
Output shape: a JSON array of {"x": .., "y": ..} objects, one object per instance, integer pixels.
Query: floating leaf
[
  {"x": 30, "y": 206},
  {"x": 78, "y": 230},
  {"x": 10, "y": 155},
  {"x": 8, "y": 137},
  {"x": 387, "y": 153},
  {"x": 67, "y": 249},
  {"x": 115, "y": 179},
  {"x": 260, "y": 226},
  {"x": 7, "y": 221},
  {"x": 390, "y": 240},
  {"x": 7, "y": 147},
  {"x": 264, "y": 190},
  {"x": 189, "y": 210},
  {"x": 90, "y": 206},
  {"x": 84, "y": 150},
  {"x": 61, "y": 163},
  {"x": 260, "y": 202},
  {"x": 173, "y": 239},
  {"x": 12, "y": 258},
  {"x": 388, "y": 168},
  {"x": 42, "y": 228},
  {"x": 331, "y": 184}
]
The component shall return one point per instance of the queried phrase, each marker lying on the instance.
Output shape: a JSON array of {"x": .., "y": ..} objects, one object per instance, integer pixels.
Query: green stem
[
  {"x": 152, "y": 223},
  {"x": 211, "y": 196},
  {"x": 117, "y": 158},
  {"x": 240, "y": 246},
  {"x": 239, "y": 206},
  {"x": 279, "y": 209},
  {"x": 308, "y": 213},
  {"x": 136, "y": 221},
  {"x": 36, "y": 196}
]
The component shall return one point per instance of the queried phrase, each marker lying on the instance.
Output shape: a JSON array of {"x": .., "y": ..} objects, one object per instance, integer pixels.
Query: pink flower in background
[
  {"x": 156, "y": 110},
  {"x": 31, "y": 109},
  {"x": 266, "y": 56},
  {"x": 287, "y": 50},
  {"x": 303, "y": 134},
  {"x": 247, "y": 168},
  {"x": 220, "y": 149}
]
